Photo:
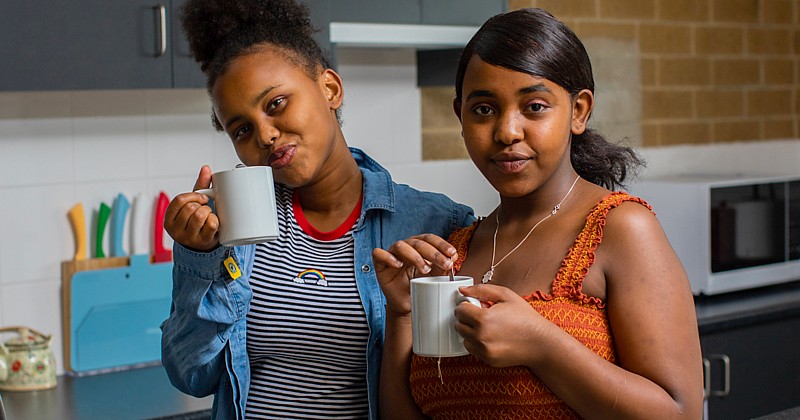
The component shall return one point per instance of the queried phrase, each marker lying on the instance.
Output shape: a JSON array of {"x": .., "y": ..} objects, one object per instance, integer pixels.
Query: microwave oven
[{"x": 731, "y": 232}]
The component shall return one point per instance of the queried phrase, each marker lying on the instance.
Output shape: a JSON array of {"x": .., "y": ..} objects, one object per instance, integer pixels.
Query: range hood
[{"x": 388, "y": 35}]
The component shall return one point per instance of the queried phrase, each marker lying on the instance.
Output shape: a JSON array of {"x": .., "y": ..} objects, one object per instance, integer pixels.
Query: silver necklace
[{"x": 488, "y": 276}]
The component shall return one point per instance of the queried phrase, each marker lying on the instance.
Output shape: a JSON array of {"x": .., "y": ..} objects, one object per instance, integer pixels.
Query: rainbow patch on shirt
[{"x": 311, "y": 277}]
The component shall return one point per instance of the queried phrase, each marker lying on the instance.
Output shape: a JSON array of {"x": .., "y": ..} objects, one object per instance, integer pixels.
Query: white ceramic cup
[
  {"x": 244, "y": 201},
  {"x": 433, "y": 302}
]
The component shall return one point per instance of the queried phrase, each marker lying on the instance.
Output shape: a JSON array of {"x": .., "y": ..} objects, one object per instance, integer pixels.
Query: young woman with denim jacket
[{"x": 276, "y": 97}]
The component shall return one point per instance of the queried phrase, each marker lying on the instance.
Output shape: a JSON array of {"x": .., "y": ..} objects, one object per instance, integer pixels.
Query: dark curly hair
[
  {"x": 221, "y": 30},
  {"x": 534, "y": 42}
]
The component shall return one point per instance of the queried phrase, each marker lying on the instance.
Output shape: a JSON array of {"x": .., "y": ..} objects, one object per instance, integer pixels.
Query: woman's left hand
[
  {"x": 507, "y": 333},
  {"x": 427, "y": 254}
]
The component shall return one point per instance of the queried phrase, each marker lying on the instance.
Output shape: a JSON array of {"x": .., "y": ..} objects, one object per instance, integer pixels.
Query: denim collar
[{"x": 378, "y": 186}]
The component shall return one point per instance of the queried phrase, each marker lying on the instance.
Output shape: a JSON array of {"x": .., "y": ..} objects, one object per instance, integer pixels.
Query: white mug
[
  {"x": 433, "y": 301},
  {"x": 244, "y": 201}
]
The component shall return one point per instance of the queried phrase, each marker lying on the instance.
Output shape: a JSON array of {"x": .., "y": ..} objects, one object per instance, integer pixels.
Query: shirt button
[{"x": 365, "y": 268}]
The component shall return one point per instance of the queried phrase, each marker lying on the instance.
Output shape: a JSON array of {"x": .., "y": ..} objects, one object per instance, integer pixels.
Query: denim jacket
[{"x": 203, "y": 341}]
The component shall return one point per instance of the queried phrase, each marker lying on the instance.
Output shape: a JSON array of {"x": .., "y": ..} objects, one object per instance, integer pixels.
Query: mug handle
[
  {"x": 206, "y": 191},
  {"x": 470, "y": 299}
]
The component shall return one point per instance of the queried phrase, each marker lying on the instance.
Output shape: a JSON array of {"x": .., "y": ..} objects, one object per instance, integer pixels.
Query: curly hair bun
[{"x": 219, "y": 30}]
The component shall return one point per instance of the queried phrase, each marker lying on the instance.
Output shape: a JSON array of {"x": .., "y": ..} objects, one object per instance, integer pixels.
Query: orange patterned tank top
[{"x": 470, "y": 389}]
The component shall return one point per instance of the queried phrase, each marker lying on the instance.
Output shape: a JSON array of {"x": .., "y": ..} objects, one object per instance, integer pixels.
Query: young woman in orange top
[{"x": 587, "y": 311}]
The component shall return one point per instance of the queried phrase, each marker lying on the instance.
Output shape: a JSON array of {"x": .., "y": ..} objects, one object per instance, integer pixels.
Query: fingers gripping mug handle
[
  {"x": 470, "y": 299},
  {"x": 206, "y": 191}
]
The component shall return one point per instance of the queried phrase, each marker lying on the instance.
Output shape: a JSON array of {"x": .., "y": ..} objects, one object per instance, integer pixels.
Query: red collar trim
[{"x": 324, "y": 236}]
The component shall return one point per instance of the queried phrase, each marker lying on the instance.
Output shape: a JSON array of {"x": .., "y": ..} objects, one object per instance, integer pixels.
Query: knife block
[{"x": 112, "y": 309}]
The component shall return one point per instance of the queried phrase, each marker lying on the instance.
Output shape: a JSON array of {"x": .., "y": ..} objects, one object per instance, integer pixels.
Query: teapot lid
[{"x": 26, "y": 337}]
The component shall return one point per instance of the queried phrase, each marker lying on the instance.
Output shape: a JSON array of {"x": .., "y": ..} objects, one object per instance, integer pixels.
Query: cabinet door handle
[
  {"x": 726, "y": 375},
  {"x": 161, "y": 36},
  {"x": 706, "y": 378}
]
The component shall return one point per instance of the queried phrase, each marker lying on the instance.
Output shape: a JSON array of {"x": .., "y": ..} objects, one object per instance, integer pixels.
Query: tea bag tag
[{"x": 233, "y": 268}]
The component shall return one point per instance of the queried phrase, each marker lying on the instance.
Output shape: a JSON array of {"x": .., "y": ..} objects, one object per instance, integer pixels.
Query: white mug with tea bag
[{"x": 433, "y": 301}]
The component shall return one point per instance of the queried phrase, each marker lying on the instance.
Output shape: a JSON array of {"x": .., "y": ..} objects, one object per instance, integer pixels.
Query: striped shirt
[{"x": 307, "y": 331}]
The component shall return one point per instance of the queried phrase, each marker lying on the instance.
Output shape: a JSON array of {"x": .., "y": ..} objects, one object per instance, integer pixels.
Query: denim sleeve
[
  {"x": 465, "y": 216},
  {"x": 206, "y": 306}
]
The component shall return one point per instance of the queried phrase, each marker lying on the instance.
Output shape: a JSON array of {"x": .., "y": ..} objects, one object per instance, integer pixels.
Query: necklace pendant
[{"x": 488, "y": 276}]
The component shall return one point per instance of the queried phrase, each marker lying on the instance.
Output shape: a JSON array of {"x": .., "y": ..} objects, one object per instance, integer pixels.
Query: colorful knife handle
[
  {"x": 102, "y": 219},
  {"x": 118, "y": 213},
  {"x": 161, "y": 254},
  {"x": 78, "y": 222}
]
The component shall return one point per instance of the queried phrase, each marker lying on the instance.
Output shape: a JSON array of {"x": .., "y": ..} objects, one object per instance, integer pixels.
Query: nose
[
  {"x": 267, "y": 134},
  {"x": 509, "y": 128}
]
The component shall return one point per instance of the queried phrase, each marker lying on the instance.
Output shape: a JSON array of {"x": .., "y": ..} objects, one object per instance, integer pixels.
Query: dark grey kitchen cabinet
[
  {"x": 91, "y": 44},
  {"x": 135, "y": 44},
  {"x": 460, "y": 12},
  {"x": 185, "y": 71},
  {"x": 752, "y": 366}
]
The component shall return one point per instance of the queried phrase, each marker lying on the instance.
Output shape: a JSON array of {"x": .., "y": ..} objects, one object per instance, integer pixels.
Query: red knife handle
[{"x": 161, "y": 254}]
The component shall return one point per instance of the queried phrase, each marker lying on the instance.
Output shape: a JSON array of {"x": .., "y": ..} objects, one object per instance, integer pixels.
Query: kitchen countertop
[
  {"x": 747, "y": 307},
  {"x": 790, "y": 414},
  {"x": 139, "y": 393}
]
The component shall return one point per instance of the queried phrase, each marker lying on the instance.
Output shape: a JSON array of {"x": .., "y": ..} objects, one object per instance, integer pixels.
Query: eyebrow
[
  {"x": 530, "y": 89},
  {"x": 258, "y": 98},
  {"x": 261, "y": 95}
]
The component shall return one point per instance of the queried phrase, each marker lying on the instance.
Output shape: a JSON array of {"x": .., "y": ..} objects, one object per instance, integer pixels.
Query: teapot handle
[
  {"x": 3, "y": 367},
  {"x": 21, "y": 331}
]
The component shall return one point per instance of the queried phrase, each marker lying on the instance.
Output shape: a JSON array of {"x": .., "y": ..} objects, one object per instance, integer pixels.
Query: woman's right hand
[
  {"x": 190, "y": 221},
  {"x": 426, "y": 254}
]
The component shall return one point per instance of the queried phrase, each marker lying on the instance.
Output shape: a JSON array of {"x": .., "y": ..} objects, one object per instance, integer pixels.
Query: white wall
[{"x": 60, "y": 148}]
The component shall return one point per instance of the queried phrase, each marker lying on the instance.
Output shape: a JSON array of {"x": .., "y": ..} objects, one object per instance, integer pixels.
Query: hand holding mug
[
  {"x": 508, "y": 331},
  {"x": 245, "y": 210},
  {"x": 426, "y": 254},
  {"x": 190, "y": 221},
  {"x": 244, "y": 199}
]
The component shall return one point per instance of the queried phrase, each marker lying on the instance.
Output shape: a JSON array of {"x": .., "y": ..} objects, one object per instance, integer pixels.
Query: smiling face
[
  {"x": 278, "y": 115},
  {"x": 517, "y": 127}
]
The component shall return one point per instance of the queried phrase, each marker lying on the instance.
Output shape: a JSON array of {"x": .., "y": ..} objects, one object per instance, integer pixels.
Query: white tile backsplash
[
  {"x": 178, "y": 144},
  {"x": 36, "y": 151},
  {"x": 36, "y": 232},
  {"x": 381, "y": 110},
  {"x": 110, "y": 148}
]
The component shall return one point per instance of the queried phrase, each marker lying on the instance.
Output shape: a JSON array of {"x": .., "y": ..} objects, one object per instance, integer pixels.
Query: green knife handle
[{"x": 102, "y": 219}]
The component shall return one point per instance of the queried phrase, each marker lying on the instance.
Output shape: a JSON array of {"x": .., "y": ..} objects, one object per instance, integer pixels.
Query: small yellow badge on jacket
[{"x": 233, "y": 269}]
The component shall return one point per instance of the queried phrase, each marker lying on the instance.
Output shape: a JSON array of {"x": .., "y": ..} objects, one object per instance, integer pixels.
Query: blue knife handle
[{"x": 120, "y": 210}]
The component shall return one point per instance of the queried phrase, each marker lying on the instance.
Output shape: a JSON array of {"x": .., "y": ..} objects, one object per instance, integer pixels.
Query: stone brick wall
[{"x": 710, "y": 71}]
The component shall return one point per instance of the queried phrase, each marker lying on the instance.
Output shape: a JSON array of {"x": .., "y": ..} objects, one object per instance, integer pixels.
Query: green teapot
[{"x": 27, "y": 362}]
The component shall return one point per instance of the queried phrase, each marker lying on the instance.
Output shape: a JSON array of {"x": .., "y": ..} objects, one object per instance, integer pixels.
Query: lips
[
  {"x": 510, "y": 162},
  {"x": 282, "y": 156}
]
